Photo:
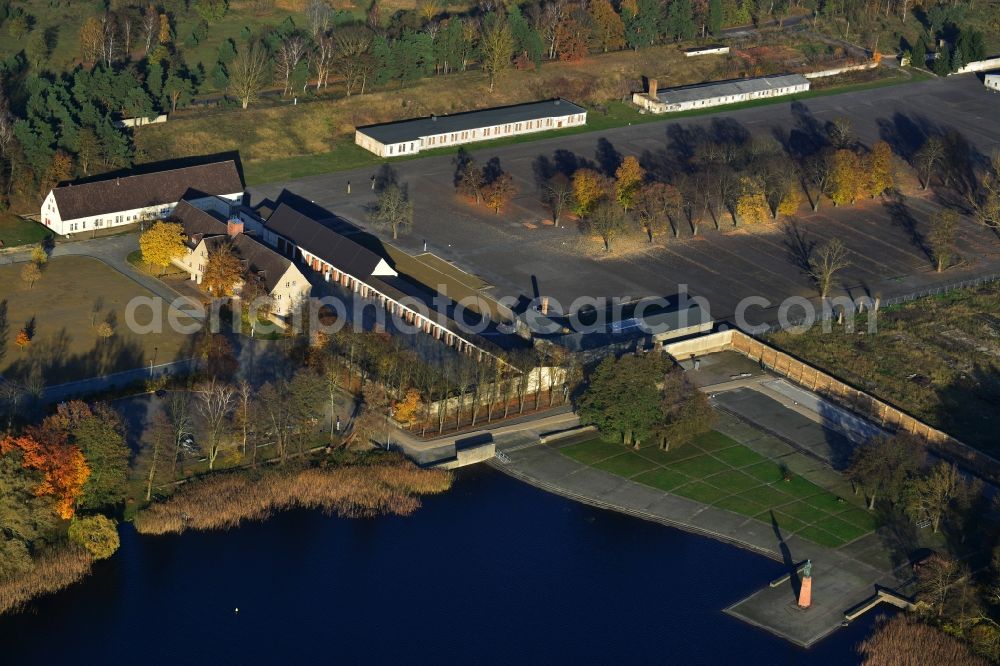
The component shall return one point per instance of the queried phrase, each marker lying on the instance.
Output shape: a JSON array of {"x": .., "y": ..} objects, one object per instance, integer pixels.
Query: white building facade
[
  {"x": 992, "y": 81},
  {"x": 77, "y": 208},
  {"x": 717, "y": 94},
  {"x": 408, "y": 137}
]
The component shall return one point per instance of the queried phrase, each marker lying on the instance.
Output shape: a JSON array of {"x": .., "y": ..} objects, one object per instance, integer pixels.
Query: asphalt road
[{"x": 518, "y": 254}]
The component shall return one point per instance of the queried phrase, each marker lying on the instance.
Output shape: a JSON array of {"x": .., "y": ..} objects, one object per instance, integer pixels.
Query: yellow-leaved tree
[
  {"x": 162, "y": 243},
  {"x": 751, "y": 207},
  {"x": 845, "y": 177},
  {"x": 589, "y": 187},
  {"x": 791, "y": 201},
  {"x": 878, "y": 169},
  {"x": 405, "y": 410},
  {"x": 628, "y": 180}
]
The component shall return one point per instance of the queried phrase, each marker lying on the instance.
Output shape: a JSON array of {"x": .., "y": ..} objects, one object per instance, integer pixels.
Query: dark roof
[
  {"x": 316, "y": 238},
  {"x": 198, "y": 222},
  {"x": 260, "y": 259},
  {"x": 151, "y": 189},
  {"x": 411, "y": 130}
]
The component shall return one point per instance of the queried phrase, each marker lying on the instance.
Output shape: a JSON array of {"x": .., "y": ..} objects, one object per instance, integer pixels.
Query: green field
[
  {"x": 717, "y": 470},
  {"x": 15, "y": 231}
]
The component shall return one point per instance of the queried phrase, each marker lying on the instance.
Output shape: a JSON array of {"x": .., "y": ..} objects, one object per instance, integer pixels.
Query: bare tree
[
  {"x": 150, "y": 27},
  {"x": 551, "y": 16},
  {"x": 287, "y": 57},
  {"x": 110, "y": 38},
  {"x": 927, "y": 158},
  {"x": 244, "y": 403},
  {"x": 214, "y": 402},
  {"x": 322, "y": 59},
  {"x": 558, "y": 195},
  {"x": 932, "y": 495},
  {"x": 828, "y": 260},
  {"x": 248, "y": 74},
  {"x": 818, "y": 172},
  {"x": 179, "y": 415},
  {"x": 840, "y": 132},
  {"x": 607, "y": 220},
  {"x": 319, "y": 13},
  {"x": 353, "y": 58},
  {"x": 393, "y": 210}
]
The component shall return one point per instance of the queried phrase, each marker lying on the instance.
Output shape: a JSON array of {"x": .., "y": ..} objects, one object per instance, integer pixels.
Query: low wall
[
  {"x": 704, "y": 344},
  {"x": 690, "y": 53},
  {"x": 980, "y": 66},
  {"x": 840, "y": 70},
  {"x": 470, "y": 456},
  {"x": 138, "y": 122}
]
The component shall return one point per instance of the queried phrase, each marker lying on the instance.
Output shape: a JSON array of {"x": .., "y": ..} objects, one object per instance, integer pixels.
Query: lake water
[{"x": 493, "y": 571}]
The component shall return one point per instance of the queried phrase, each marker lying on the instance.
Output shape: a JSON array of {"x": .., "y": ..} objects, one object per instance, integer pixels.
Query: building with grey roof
[
  {"x": 408, "y": 137},
  {"x": 718, "y": 93}
]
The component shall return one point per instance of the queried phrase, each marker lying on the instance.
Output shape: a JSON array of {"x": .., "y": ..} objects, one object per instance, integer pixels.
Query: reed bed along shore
[
  {"x": 388, "y": 485},
  {"x": 53, "y": 570}
]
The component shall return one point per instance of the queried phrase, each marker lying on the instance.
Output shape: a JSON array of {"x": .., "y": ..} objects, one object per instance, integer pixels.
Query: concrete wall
[
  {"x": 704, "y": 344},
  {"x": 706, "y": 51},
  {"x": 980, "y": 66},
  {"x": 470, "y": 456},
  {"x": 992, "y": 81},
  {"x": 864, "y": 404},
  {"x": 840, "y": 70},
  {"x": 139, "y": 122}
]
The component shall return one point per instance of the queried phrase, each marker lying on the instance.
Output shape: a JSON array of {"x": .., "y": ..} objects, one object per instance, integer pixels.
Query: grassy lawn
[
  {"x": 937, "y": 358},
  {"x": 135, "y": 258},
  {"x": 15, "y": 231},
  {"x": 717, "y": 470},
  {"x": 62, "y": 311}
]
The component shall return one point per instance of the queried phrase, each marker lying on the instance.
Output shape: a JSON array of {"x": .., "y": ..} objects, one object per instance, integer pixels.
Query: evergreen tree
[
  {"x": 679, "y": 23},
  {"x": 526, "y": 38},
  {"x": 716, "y": 13},
  {"x": 643, "y": 26},
  {"x": 154, "y": 81},
  {"x": 942, "y": 63},
  {"x": 918, "y": 58}
]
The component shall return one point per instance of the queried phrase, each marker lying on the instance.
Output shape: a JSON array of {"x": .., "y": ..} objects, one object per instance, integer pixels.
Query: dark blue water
[{"x": 492, "y": 572}]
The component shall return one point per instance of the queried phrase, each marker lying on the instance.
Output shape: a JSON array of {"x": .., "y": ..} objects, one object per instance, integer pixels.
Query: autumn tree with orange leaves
[{"x": 63, "y": 468}]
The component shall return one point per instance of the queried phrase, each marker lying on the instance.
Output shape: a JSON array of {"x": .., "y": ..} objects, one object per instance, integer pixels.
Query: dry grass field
[
  {"x": 937, "y": 357},
  {"x": 63, "y": 312},
  {"x": 318, "y": 126}
]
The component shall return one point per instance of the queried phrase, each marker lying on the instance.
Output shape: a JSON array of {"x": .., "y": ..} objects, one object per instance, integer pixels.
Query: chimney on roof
[
  {"x": 653, "y": 88},
  {"x": 234, "y": 227}
]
